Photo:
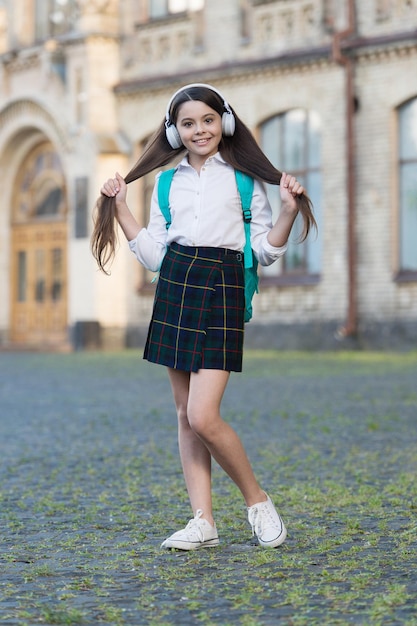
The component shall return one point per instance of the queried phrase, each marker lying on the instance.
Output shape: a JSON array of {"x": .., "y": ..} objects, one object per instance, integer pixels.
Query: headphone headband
[{"x": 167, "y": 116}]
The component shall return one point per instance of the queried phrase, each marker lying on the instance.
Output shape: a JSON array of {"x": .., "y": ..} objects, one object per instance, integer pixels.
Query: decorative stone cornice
[
  {"x": 19, "y": 61},
  {"x": 303, "y": 59},
  {"x": 306, "y": 59}
]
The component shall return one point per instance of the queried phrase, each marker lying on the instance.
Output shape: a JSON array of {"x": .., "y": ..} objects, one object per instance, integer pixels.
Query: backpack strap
[
  {"x": 245, "y": 187},
  {"x": 164, "y": 185}
]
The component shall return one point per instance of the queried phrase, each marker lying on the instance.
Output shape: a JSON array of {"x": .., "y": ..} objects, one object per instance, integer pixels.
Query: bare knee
[
  {"x": 203, "y": 422},
  {"x": 205, "y": 394}
]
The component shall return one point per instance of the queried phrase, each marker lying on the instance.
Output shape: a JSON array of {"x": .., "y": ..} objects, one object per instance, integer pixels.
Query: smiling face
[{"x": 200, "y": 129}]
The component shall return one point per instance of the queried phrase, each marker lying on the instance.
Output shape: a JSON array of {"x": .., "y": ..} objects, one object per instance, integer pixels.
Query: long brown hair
[{"x": 240, "y": 150}]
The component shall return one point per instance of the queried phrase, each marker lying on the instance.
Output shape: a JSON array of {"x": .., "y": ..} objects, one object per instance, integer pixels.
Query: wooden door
[
  {"x": 39, "y": 293},
  {"x": 39, "y": 253}
]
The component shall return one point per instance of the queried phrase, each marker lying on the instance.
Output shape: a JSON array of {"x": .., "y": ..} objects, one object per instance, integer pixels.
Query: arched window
[
  {"x": 408, "y": 189},
  {"x": 292, "y": 142},
  {"x": 40, "y": 186}
]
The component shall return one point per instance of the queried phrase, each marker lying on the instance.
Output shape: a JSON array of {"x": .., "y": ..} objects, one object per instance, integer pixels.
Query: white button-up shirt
[{"x": 206, "y": 211}]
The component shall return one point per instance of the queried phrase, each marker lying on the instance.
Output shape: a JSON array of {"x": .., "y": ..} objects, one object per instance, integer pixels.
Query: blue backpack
[{"x": 245, "y": 187}]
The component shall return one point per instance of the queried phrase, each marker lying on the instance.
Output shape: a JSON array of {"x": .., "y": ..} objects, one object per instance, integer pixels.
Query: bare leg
[
  {"x": 203, "y": 434},
  {"x": 206, "y": 389},
  {"x": 195, "y": 457}
]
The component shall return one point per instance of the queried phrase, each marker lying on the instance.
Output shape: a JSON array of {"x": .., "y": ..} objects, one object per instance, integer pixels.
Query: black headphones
[{"x": 172, "y": 134}]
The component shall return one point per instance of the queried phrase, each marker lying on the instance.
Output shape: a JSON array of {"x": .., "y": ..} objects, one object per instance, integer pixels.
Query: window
[
  {"x": 161, "y": 8},
  {"x": 40, "y": 272},
  {"x": 57, "y": 264},
  {"x": 54, "y": 17},
  {"x": 81, "y": 207},
  {"x": 245, "y": 21},
  {"x": 158, "y": 8},
  {"x": 21, "y": 276},
  {"x": 292, "y": 142},
  {"x": 408, "y": 186},
  {"x": 40, "y": 187}
]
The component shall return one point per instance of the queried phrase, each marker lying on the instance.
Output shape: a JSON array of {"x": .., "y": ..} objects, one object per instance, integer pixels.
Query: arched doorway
[{"x": 39, "y": 251}]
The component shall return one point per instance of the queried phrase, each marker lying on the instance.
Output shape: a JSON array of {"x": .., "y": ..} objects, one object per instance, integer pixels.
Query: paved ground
[{"x": 91, "y": 485}]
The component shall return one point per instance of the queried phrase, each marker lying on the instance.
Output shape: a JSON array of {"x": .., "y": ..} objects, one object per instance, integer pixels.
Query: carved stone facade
[{"x": 89, "y": 82}]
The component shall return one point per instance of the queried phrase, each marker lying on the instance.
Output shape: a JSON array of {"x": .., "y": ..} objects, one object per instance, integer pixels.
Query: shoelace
[
  {"x": 257, "y": 517},
  {"x": 194, "y": 525}
]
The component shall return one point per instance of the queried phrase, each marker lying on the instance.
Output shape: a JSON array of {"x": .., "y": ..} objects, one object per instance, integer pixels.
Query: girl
[{"x": 197, "y": 324}]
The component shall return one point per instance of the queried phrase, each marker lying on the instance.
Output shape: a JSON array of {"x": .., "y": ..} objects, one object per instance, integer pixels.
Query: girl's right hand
[{"x": 115, "y": 188}]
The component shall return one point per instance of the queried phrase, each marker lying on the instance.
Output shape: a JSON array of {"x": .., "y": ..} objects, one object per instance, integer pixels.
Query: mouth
[{"x": 202, "y": 142}]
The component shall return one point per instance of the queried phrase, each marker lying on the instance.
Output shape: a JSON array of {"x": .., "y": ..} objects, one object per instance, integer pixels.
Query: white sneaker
[
  {"x": 197, "y": 534},
  {"x": 267, "y": 524}
]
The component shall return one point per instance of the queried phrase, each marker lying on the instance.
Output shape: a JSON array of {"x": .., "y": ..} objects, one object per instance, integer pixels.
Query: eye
[{"x": 209, "y": 120}]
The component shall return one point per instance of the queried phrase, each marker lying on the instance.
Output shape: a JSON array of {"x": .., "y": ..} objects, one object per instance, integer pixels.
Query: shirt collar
[{"x": 216, "y": 157}]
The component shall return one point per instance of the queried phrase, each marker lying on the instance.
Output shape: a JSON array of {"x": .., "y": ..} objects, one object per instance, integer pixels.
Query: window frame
[
  {"x": 298, "y": 276},
  {"x": 403, "y": 274}
]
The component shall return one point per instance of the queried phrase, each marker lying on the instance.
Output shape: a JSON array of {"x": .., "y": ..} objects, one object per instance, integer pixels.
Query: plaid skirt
[{"x": 198, "y": 315}]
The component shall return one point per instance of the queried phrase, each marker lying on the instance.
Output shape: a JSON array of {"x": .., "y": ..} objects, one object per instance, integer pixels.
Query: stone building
[{"x": 328, "y": 87}]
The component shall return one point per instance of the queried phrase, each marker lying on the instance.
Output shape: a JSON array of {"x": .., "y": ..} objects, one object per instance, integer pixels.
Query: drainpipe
[{"x": 351, "y": 324}]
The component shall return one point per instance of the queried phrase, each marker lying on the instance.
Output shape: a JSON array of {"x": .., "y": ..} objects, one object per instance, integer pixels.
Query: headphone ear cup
[
  {"x": 228, "y": 123},
  {"x": 173, "y": 136}
]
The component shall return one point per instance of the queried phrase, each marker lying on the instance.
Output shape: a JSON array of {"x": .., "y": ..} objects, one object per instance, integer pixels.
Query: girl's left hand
[
  {"x": 289, "y": 188},
  {"x": 115, "y": 188}
]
